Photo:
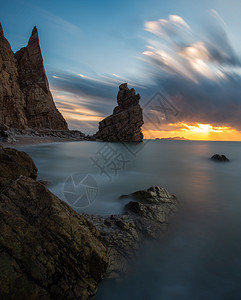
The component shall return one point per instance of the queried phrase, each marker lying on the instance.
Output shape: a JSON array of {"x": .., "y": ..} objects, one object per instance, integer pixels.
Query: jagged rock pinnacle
[
  {"x": 25, "y": 98},
  {"x": 124, "y": 125},
  {"x": 34, "y": 36}
]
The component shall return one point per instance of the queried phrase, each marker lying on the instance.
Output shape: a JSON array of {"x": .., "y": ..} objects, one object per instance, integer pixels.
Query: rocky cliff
[
  {"x": 47, "y": 251},
  {"x": 124, "y": 125},
  {"x": 25, "y": 97},
  {"x": 12, "y": 100}
]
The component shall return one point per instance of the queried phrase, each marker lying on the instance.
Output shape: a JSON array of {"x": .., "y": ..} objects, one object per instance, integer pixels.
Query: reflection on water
[{"x": 200, "y": 257}]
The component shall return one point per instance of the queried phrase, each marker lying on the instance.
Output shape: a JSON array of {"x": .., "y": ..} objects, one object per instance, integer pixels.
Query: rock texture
[
  {"x": 14, "y": 163},
  {"x": 47, "y": 251},
  {"x": 25, "y": 98},
  {"x": 12, "y": 100},
  {"x": 144, "y": 218},
  {"x": 124, "y": 125}
]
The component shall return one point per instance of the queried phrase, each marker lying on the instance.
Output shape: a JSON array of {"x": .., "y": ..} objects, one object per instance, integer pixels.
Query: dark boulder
[
  {"x": 144, "y": 218},
  {"x": 14, "y": 163},
  {"x": 218, "y": 157}
]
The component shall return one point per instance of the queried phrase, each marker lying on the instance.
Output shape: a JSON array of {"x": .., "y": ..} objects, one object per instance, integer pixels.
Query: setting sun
[{"x": 196, "y": 131}]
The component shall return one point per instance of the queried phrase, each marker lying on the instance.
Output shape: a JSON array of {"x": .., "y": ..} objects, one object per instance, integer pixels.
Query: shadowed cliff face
[
  {"x": 12, "y": 100},
  {"x": 25, "y": 98},
  {"x": 47, "y": 251},
  {"x": 124, "y": 125}
]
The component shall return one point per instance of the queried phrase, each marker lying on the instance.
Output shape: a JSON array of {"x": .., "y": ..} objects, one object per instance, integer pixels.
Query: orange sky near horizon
[{"x": 205, "y": 132}]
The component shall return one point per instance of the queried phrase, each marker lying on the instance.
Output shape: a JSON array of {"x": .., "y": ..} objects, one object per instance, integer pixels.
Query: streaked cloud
[{"x": 200, "y": 73}]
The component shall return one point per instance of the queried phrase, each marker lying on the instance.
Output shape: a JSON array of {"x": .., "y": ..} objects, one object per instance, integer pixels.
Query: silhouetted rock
[
  {"x": 124, "y": 125},
  {"x": 218, "y": 157},
  {"x": 25, "y": 98}
]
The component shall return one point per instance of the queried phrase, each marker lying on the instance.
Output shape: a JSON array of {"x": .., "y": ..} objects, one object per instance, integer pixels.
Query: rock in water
[
  {"x": 124, "y": 125},
  {"x": 25, "y": 98},
  {"x": 221, "y": 158},
  {"x": 145, "y": 218}
]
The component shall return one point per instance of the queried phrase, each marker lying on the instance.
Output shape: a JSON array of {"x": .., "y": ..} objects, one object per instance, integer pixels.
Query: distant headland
[{"x": 175, "y": 138}]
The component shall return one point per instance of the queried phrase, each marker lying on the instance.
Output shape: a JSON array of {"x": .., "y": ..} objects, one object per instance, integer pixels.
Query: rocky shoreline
[
  {"x": 49, "y": 251},
  {"x": 21, "y": 137}
]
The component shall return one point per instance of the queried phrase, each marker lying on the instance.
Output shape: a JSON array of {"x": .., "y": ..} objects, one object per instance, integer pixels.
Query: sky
[{"x": 182, "y": 56}]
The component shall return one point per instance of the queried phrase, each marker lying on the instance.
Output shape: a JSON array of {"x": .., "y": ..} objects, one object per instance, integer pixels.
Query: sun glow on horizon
[
  {"x": 203, "y": 128},
  {"x": 196, "y": 131}
]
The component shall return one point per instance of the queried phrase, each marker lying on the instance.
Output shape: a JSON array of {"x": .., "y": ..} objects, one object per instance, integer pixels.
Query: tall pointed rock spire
[
  {"x": 40, "y": 107},
  {"x": 25, "y": 97},
  {"x": 34, "y": 35}
]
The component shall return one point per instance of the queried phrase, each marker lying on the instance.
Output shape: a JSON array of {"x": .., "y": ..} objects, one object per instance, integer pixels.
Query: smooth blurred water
[{"x": 200, "y": 257}]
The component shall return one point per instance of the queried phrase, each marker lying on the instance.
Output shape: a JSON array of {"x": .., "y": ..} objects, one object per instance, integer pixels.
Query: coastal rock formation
[
  {"x": 14, "y": 163},
  {"x": 175, "y": 138},
  {"x": 144, "y": 218},
  {"x": 218, "y": 157},
  {"x": 12, "y": 100},
  {"x": 47, "y": 251},
  {"x": 6, "y": 136},
  {"x": 25, "y": 98},
  {"x": 124, "y": 125}
]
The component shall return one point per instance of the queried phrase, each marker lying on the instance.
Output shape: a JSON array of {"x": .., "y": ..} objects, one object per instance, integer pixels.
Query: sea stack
[
  {"x": 124, "y": 125},
  {"x": 25, "y": 97}
]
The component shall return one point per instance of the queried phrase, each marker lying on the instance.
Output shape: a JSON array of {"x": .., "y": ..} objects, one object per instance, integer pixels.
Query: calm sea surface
[{"x": 200, "y": 256}]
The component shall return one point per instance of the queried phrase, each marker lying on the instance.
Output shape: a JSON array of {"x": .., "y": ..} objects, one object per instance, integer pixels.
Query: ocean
[{"x": 200, "y": 255}]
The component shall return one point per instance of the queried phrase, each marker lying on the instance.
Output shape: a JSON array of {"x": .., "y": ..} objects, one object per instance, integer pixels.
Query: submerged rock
[
  {"x": 218, "y": 157},
  {"x": 124, "y": 125},
  {"x": 143, "y": 219},
  {"x": 25, "y": 97}
]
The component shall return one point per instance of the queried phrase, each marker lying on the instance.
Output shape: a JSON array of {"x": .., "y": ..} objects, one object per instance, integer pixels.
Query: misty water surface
[{"x": 200, "y": 256}]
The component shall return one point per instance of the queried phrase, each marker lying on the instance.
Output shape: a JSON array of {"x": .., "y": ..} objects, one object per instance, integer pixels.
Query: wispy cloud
[{"x": 200, "y": 73}]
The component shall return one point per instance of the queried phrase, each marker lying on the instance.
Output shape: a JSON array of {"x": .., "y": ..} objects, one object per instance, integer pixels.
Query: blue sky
[{"x": 102, "y": 39}]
